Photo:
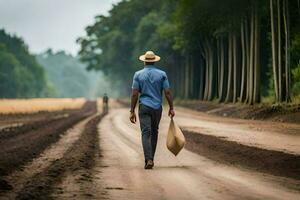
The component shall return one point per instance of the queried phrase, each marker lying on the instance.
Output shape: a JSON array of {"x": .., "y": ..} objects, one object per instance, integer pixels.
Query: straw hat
[{"x": 149, "y": 56}]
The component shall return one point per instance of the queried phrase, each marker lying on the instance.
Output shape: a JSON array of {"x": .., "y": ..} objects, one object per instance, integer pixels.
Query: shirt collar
[{"x": 149, "y": 66}]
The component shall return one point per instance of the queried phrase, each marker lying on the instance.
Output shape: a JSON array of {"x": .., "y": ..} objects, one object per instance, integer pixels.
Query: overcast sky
[{"x": 52, "y": 24}]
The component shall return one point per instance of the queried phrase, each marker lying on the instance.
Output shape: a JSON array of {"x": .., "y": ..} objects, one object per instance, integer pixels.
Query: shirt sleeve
[
  {"x": 135, "y": 82},
  {"x": 165, "y": 83}
]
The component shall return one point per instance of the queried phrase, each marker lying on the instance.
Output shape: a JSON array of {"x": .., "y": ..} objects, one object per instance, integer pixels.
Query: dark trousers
[{"x": 149, "y": 122}]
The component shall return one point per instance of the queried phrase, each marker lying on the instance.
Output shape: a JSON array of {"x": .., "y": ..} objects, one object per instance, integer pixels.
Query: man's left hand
[
  {"x": 171, "y": 113},
  {"x": 132, "y": 117}
]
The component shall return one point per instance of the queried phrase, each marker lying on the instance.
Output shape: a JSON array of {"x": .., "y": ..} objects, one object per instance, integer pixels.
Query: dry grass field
[{"x": 12, "y": 106}]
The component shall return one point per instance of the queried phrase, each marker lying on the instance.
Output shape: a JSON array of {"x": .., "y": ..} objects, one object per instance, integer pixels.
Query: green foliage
[
  {"x": 296, "y": 73},
  {"x": 20, "y": 74},
  {"x": 176, "y": 29},
  {"x": 67, "y": 76},
  {"x": 196, "y": 19},
  {"x": 295, "y": 64},
  {"x": 295, "y": 50},
  {"x": 296, "y": 79},
  {"x": 296, "y": 89},
  {"x": 113, "y": 43}
]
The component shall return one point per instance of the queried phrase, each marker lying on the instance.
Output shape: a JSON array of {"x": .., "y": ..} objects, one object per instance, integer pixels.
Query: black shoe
[{"x": 149, "y": 164}]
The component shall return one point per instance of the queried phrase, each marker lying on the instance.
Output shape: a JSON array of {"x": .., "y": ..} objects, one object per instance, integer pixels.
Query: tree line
[
  {"x": 235, "y": 41},
  {"x": 48, "y": 74},
  {"x": 229, "y": 51},
  {"x": 20, "y": 74},
  {"x": 67, "y": 75}
]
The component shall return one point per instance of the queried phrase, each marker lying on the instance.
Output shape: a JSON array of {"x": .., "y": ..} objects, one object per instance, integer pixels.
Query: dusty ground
[
  {"x": 86, "y": 155},
  {"x": 188, "y": 176}
]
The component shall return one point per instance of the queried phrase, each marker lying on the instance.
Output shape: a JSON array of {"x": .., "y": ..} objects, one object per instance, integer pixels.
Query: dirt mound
[
  {"x": 232, "y": 153},
  {"x": 13, "y": 131},
  {"x": 22, "y": 118},
  {"x": 280, "y": 113}
]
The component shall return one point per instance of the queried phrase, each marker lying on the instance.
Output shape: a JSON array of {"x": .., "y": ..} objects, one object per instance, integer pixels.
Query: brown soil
[
  {"x": 81, "y": 156},
  {"x": 27, "y": 142},
  {"x": 232, "y": 153},
  {"x": 22, "y": 118},
  {"x": 13, "y": 131},
  {"x": 280, "y": 113}
]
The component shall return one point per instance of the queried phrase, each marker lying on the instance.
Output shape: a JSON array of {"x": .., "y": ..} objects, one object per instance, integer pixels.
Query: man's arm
[
  {"x": 134, "y": 99},
  {"x": 169, "y": 97}
]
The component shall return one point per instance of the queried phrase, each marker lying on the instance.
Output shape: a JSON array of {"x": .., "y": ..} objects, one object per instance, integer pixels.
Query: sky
[{"x": 52, "y": 24}]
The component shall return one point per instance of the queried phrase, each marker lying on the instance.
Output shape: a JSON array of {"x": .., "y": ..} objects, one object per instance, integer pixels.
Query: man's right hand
[
  {"x": 171, "y": 113},
  {"x": 132, "y": 117}
]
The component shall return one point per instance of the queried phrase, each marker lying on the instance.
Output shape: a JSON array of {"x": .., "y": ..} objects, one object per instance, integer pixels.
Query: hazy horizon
[{"x": 51, "y": 24}]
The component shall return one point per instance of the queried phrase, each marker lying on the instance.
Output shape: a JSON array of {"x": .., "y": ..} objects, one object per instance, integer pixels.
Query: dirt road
[
  {"x": 93, "y": 156},
  {"x": 188, "y": 176}
]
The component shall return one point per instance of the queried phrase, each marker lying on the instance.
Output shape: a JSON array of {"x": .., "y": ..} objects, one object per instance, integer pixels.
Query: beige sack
[{"x": 175, "y": 138}]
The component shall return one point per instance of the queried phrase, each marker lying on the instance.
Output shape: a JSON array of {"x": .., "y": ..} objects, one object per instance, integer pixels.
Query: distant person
[
  {"x": 148, "y": 85},
  {"x": 105, "y": 103}
]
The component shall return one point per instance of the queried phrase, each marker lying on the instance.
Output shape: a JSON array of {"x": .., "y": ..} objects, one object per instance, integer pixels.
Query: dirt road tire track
[
  {"x": 17, "y": 151},
  {"x": 81, "y": 156},
  {"x": 232, "y": 153}
]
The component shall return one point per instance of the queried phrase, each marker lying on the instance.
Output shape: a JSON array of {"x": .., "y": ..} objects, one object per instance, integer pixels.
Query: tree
[
  {"x": 21, "y": 75},
  {"x": 67, "y": 75},
  {"x": 211, "y": 49},
  {"x": 281, "y": 49}
]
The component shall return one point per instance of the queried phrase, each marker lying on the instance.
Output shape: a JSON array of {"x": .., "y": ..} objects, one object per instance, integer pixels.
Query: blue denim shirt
[{"x": 150, "y": 82}]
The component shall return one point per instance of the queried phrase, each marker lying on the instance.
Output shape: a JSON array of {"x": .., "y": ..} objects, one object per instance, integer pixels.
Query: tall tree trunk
[
  {"x": 274, "y": 50},
  {"x": 192, "y": 78},
  {"x": 229, "y": 81},
  {"x": 235, "y": 67},
  {"x": 202, "y": 79},
  {"x": 244, "y": 70},
  {"x": 182, "y": 78},
  {"x": 279, "y": 50},
  {"x": 206, "y": 85},
  {"x": 247, "y": 43},
  {"x": 211, "y": 71},
  {"x": 287, "y": 50},
  {"x": 222, "y": 69},
  {"x": 203, "y": 71},
  {"x": 177, "y": 89},
  {"x": 252, "y": 53},
  {"x": 256, "y": 91},
  {"x": 218, "y": 77},
  {"x": 207, "y": 64},
  {"x": 186, "y": 79}
]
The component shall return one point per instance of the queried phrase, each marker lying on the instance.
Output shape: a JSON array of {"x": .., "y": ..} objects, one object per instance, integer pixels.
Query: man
[
  {"x": 105, "y": 103},
  {"x": 150, "y": 83}
]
